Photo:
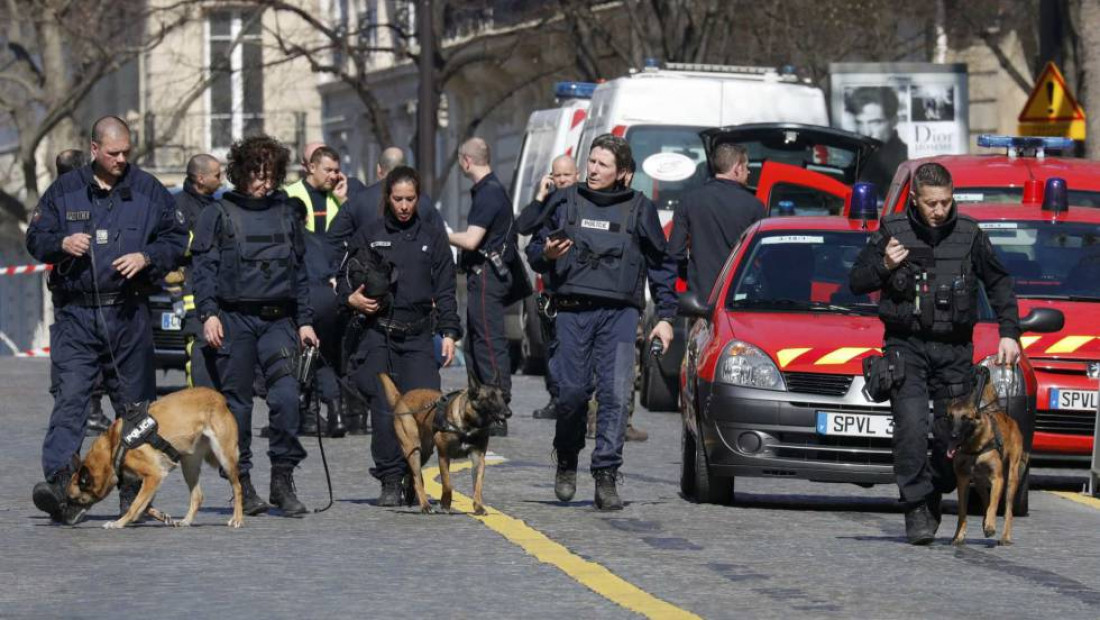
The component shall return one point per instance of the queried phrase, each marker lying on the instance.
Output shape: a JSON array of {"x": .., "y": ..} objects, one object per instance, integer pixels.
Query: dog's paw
[
  {"x": 181, "y": 523},
  {"x": 427, "y": 509},
  {"x": 235, "y": 523},
  {"x": 989, "y": 530},
  {"x": 480, "y": 511},
  {"x": 959, "y": 542},
  {"x": 1004, "y": 542},
  {"x": 114, "y": 525}
]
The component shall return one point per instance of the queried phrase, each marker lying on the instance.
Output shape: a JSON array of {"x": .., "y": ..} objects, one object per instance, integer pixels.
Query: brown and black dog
[
  {"x": 987, "y": 448},
  {"x": 199, "y": 426},
  {"x": 455, "y": 426}
]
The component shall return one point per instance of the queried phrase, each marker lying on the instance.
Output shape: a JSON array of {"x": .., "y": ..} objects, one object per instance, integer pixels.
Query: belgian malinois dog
[
  {"x": 455, "y": 425},
  {"x": 987, "y": 448}
]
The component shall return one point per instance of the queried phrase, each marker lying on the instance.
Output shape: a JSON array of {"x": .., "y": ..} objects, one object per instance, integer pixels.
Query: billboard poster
[{"x": 915, "y": 109}]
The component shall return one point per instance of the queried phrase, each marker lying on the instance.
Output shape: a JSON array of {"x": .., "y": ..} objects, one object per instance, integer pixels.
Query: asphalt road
[{"x": 787, "y": 549}]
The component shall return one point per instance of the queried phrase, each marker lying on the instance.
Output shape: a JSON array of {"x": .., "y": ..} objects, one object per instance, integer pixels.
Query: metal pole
[{"x": 426, "y": 107}]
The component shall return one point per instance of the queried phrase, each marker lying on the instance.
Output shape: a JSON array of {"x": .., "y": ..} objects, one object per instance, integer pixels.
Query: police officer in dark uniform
[
  {"x": 927, "y": 263},
  {"x": 398, "y": 325},
  {"x": 597, "y": 251},
  {"x": 111, "y": 230},
  {"x": 711, "y": 218},
  {"x": 488, "y": 248},
  {"x": 253, "y": 300},
  {"x": 204, "y": 178}
]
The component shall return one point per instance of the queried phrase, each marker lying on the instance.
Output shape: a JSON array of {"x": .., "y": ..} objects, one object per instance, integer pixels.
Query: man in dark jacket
[
  {"x": 204, "y": 178},
  {"x": 710, "y": 219},
  {"x": 927, "y": 263}
]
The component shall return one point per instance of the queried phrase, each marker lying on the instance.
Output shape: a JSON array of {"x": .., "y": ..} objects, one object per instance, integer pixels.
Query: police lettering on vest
[
  {"x": 257, "y": 253},
  {"x": 936, "y": 290},
  {"x": 606, "y": 261}
]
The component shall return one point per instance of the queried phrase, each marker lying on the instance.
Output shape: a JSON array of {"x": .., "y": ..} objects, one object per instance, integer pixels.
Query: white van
[{"x": 663, "y": 110}]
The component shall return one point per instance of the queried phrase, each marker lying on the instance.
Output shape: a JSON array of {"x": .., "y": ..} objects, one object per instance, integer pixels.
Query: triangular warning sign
[{"x": 1051, "y": 100}]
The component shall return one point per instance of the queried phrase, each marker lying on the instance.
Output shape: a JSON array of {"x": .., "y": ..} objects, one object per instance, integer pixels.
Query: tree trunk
[{"x": 1089, "y": 29}]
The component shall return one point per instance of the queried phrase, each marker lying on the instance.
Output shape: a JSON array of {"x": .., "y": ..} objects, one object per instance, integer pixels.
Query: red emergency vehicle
[{"x": 772, "y": 382}]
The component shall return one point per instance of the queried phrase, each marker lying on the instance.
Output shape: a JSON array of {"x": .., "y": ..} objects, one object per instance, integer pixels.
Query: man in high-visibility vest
[{"x": 322, "y": 190}]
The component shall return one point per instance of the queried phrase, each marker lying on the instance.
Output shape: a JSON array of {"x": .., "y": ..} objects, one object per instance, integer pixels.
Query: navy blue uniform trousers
[
  {"x": 82, "y": 341},
  {"x": 596, "y": 343},
  {"x": 486, "y": 335},
  {"x": 273, "y": 344},
  {"x": 327, "y": 324},
  {"x": 932, "y": 369},
  {"x": 411, "y": 363}
]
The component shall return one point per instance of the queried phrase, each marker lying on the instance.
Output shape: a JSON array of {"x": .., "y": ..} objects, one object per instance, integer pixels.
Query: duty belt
[
  {"x": 402, "y": 329},
  {"x": 262, "y": 309},
  {"x": 91, "y": 300}
]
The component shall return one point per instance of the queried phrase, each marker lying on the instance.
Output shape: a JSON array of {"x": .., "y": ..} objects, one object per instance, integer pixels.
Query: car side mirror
[
  {"x": 691, "y": 306},
  {"x": 1043, "y": 320}
]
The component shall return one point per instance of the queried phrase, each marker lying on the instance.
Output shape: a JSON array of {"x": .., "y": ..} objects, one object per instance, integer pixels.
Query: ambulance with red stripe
[{"x": 772, "y": 382}]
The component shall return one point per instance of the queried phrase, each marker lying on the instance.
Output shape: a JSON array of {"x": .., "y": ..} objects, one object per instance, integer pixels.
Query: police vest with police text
[
  {"x": 258, "y": 261},
  {"x": 940, "y": 299},
  {"x": 606, "y": 261}
]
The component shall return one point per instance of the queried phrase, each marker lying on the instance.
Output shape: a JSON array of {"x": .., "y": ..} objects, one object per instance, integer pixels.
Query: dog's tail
[{"x": 392, "y": 394}]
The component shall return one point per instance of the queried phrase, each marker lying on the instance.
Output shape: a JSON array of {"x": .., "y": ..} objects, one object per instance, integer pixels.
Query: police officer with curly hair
[
  {"x": 252, "y": 295},
  {"x": 928, "y": 262}
]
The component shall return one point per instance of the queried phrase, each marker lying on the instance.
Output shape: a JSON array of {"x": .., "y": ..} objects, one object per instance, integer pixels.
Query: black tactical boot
[
  {"x": 283, "y": 494},
  {"x": 336, "y": 427},
  {"x": 565, "y": 480},
  {"x": 935, "y": 506},
  {"x": 307, "y": 418},
  {"x": 253, "y": 505},
  {"x": 391, "y": 492},
  {"x": 98, "y": 422},
  {"x": 607, "y": 495},
  {"x": 51, "y": 498},
  {"x": 549, "y": 412},
  {"x": 920, "y": 525}
]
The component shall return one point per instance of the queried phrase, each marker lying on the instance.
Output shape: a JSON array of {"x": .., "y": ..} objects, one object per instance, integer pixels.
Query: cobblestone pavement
[{"x": 787, "y": 549}]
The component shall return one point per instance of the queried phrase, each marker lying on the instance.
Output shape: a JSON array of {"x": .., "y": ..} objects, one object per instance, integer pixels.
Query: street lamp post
[{"x": 426, "y": 108}]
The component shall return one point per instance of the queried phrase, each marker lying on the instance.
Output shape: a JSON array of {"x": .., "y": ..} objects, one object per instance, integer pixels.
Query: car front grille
[
  {"x": 817, "y": 383},
  {"x": 825, "y": 449},
  {"x": 1066, "y": 423}
]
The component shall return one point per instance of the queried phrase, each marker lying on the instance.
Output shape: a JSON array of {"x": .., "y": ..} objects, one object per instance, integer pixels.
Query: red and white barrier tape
[
  {"x": 19, "y": 270},
  {"x": 43, "y": 352}
]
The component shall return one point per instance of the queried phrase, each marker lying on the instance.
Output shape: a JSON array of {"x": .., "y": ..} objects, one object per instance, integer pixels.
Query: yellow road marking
[
  {"x": 1091, "y": 502},
  {"x": 786, "y": 356},
  {"x": 842, "y": 355},
  {"x": 1069, "y": 344},
  {"x": 589, "y": 574},
  {"x": 1027, "y": 341}
]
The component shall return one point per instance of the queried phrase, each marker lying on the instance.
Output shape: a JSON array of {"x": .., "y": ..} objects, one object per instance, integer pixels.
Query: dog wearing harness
[
  {"x": 986, "y": 448},
  {"x": 454, "y": 425}
]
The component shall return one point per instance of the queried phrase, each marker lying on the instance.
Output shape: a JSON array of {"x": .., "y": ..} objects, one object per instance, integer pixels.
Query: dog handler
[
  {"x": 398, "y": 326},
  {"x": 927, "y": 262},
  {"x": 253, "y": 300},
  {"x": 111, "y": 230},
  {"x": 607, "y": 239}
]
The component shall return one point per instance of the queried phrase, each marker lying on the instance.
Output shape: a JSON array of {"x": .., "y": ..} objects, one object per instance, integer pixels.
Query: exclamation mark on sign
[{"x": 1050, "y": 98}]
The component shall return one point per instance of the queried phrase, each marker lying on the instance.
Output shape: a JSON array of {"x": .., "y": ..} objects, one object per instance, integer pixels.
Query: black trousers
[
  {"x": 933, "y": 370},
  {"x": 550, "y": 345},
  {"x": 411, "y": 363},
  {"x": 488, "y": 340}
]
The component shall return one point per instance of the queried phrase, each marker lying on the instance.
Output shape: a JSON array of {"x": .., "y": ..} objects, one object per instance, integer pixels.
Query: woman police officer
[{"x": 398, "y": 334}]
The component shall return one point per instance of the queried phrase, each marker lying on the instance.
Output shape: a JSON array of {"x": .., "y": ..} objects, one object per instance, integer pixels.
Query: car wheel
[
  {"x": 657, "y": 394},
  {"x": 687, "y": 463},
  {"x": 532, "y": 349},
  {"x": 710, "y": 489}
]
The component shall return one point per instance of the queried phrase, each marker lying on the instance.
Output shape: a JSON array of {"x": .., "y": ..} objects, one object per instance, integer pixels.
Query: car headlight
[
  {"x": 746, "y": 365},
  {"x": 1008, "y": 381}
]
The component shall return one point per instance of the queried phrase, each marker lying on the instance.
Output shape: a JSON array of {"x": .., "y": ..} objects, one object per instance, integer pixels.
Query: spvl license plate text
[
  {"x": 170, "y": 322},
  {"x": 1074, "y": 400},
  {"x": 854, "y": 424}
]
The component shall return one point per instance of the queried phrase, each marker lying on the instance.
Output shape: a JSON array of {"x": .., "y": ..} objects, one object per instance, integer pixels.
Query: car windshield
[
  {"x": 1009, "y": 195},
  {"x": 1054, "y": 260},
  {"x": 800, "y": 271},
  {"x": 648, "y": 140}
]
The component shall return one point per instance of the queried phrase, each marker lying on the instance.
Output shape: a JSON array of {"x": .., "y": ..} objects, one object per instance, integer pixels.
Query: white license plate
[
  {"x": 1075, "y": 400},
  {"x": 170, "y": 322},
  {"x": 854, "y": 424}
]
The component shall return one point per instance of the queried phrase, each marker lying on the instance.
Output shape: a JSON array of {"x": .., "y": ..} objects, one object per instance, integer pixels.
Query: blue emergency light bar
[
  {"x": 574, "y": 90},
  {"x": 785, "y": 208},
  {"x": 1024, "y": 142},
  {"x": 864, "y": 202}
]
